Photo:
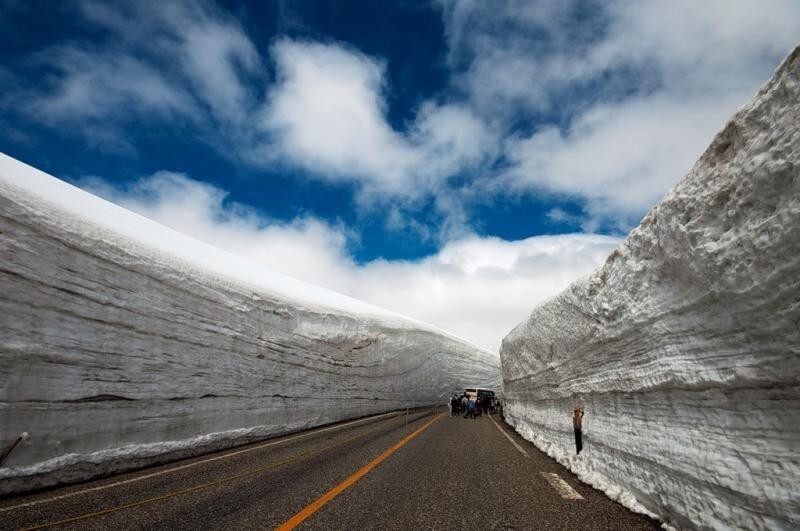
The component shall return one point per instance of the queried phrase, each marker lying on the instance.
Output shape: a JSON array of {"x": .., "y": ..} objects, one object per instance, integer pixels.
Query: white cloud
[
  {"x": 327, "y": 111},
  {"x": 450, "y": 138},
  {"x": 619, "y": 103},
  {"x": 324, "y": 111},
  {"x": 621, "y": 158},
  {"x": 307, "y": 245},
  {"x": 475, "y": 287},
  {"x": 479, "y": 288},
  {"x": 97, "y": 86},
  {"x": 212, "y": 54},
  {"x": 709, "y": 48},
  {"x": 186, "y": 62},
  {"x": 637, "y": 89}
]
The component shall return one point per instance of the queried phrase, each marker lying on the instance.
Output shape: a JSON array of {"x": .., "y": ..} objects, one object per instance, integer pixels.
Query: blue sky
[{"x": 457, "y": 161}]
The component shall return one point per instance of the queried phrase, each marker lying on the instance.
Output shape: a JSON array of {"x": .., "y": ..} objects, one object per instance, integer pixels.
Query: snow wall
[
  {"x": 684, "y": 348},
  {"x": 124, "y": 343}
]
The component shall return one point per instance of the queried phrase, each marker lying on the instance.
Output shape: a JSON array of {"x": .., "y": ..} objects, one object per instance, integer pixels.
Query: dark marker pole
[
  {"x": 577, "y": 417},
  {"x": 22, "y": 437}
]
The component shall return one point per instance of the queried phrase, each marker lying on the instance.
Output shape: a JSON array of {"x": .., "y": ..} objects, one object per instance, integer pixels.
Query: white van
[{"x": 478, "y": 392}]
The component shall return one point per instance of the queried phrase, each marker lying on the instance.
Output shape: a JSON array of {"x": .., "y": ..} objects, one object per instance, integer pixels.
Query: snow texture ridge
[
  {"x": 684, "y": 348},
  {"x": 124, "y": 343}
]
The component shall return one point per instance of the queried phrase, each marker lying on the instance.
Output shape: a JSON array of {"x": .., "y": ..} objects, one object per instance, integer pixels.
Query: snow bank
[
  {"x": 125, "y": 343},
  {"x": 684, "y": 348}
]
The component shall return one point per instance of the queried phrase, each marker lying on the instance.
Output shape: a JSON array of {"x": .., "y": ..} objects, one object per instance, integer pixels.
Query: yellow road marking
[
  {"x": 196, "y": 488},
  {"x": 315, "y": 506},
  {"x": 195, "y": 463}
]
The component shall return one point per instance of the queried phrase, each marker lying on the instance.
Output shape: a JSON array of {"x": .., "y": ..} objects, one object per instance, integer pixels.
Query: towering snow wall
[
  {"x": 123, "y": 342},
  {"x": 684, "y": 348}
]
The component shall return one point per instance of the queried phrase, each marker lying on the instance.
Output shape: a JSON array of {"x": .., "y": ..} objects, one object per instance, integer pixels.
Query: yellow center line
[
  {"x": 228, "y": 454},
  {"x": 196, "y": 488},
  {"x": 316, "y": 505}
]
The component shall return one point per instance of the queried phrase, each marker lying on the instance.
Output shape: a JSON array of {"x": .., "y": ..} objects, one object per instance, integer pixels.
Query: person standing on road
[
  {"x": 464, "y": 404},
  {"x": 577, "y": 420},
  {"x": 471, "y": 405}
]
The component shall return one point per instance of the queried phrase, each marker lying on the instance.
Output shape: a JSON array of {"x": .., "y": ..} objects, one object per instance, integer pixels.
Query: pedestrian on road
[
  {"x": 478, "y": 406},
  {"x": 471, "y": 406},
  {"x": 464, "y": 403},
  {"x": 577, "y": 418}
]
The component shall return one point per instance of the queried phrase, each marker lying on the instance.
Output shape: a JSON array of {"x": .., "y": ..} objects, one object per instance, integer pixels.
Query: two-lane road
[{"x": 423, "y": 470}]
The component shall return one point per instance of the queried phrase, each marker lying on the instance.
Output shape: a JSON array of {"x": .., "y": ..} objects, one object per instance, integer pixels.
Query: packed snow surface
[
  {"x": 684, "y": 348},
  {"x": 125, "y": 343}
]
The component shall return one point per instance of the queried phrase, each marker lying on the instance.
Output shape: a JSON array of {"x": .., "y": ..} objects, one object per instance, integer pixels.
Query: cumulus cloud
[
  {"x": 475, "y": 287},
  {"x": 481, "y": 287},
  {"x": 633, "y": 94},
  {"x": 452, "y": 137},
  {"x": 326, "y": 112},
  {"x": 621, "y": 158},
  {"x": 305, "y": 244}
]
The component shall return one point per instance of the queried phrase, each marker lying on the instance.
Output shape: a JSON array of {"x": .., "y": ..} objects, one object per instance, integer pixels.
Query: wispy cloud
[
  {"x": 186, "y": 63},
  {"x": 95, "y": 85},
  {"x": 199, "y": 48}
]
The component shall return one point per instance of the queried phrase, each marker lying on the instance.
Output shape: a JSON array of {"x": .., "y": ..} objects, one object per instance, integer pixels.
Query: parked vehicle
[{"x": 487, "y": 396}]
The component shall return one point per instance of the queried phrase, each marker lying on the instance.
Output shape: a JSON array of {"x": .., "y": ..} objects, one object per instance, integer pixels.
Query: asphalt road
[{"x": 423, "y": 470}]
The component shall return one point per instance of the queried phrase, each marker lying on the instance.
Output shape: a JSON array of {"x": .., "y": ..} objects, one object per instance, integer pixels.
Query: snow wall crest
[
  {"x": 684, "y": 348},
  {"x": 124, "y": 343}
]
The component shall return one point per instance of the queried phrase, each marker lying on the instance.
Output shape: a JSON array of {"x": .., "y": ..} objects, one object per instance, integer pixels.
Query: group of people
[{"x": 471, "y": 406}]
